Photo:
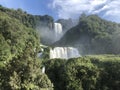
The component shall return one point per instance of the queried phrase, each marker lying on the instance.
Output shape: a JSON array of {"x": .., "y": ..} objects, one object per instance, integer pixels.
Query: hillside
[
  {"x": 93, "y": 35},
  {"x": 40, "y": 23},
  {"x": 20, "y": 69},
  {"x": 25, "y": 63},
  {"x": 27, "y": 19}
]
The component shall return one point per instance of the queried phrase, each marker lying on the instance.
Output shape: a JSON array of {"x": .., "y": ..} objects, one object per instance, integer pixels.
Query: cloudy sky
[{"x": 107, "y": 9}]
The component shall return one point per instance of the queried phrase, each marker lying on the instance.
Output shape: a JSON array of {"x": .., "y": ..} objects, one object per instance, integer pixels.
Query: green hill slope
[
  {"x": 19, "y": 67},
  {"x": 93, "y": 35},
  {"x": 28, "y": 19}
]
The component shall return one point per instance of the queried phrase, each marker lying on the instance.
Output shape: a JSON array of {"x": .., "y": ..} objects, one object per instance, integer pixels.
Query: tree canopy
[
  {"x": 20, "y": 69},
  {"x": 93, "y": 35}
]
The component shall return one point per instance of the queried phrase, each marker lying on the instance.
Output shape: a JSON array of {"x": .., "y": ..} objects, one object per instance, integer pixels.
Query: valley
[{"x": 40, "y": 53}]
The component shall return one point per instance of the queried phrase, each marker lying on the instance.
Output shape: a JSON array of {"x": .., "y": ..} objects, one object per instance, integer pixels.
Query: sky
[{"x": 107, "y": 9}]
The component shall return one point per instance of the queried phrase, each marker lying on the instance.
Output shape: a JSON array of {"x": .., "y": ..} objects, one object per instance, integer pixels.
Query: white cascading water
[
  {"x": 43, "y": 69},
  {"x": 64, "y": 52},
  {"x": 58, "y": 31}
]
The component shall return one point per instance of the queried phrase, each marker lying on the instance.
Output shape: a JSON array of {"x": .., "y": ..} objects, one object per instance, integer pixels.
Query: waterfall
[
  {"x": 64, "y": 52},
  {"x": 58, "y": 31},
  {"x": 43, "y": 69}
]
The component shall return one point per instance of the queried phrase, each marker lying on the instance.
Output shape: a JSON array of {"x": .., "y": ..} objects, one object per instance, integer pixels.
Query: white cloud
[{"x": 73, "y": 8}]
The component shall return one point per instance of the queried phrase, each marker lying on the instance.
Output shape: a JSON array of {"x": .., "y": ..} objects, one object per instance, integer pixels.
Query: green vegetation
[
  {"x": 32, "y": 21},
  {"x": 27, "y": 19},
  {"x": 53, "y": 70},
  {"x": 93, "y": 35},
  {"x": 19, "y": 67},
  {"x": 99, "y": 72}
]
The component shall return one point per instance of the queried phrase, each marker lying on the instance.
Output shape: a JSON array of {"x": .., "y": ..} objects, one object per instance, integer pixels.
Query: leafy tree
[
  {"x": 54, "y": 70},
  {"x": 80, "y": 74},
  {"x": 5, "y": 53},
  {"x": 19, "y": 67}
]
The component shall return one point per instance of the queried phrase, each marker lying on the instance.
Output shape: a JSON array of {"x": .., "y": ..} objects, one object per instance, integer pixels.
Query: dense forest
[
  {"x": 97, "y": 72},
  {"x": 93, "y": 35},
  {"x": 21, "y": 69},
  {"x": 31, "y": 21},
  {"x": 27, "y": 19}
]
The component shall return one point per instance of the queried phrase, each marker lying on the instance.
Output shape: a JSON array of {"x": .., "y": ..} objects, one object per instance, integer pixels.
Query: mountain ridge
[{"x": 90, "y": 32}]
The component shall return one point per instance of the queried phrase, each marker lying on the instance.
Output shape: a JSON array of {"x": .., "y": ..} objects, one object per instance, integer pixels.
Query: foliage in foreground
[
  {"x": 86, "y": 73},
  {"x": 19, "y": 67}
]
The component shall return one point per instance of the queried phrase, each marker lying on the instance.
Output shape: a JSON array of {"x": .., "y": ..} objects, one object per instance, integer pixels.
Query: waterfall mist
[
  {"x": 46, "y": 35},
  {"x": 50, "y": 35}
]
